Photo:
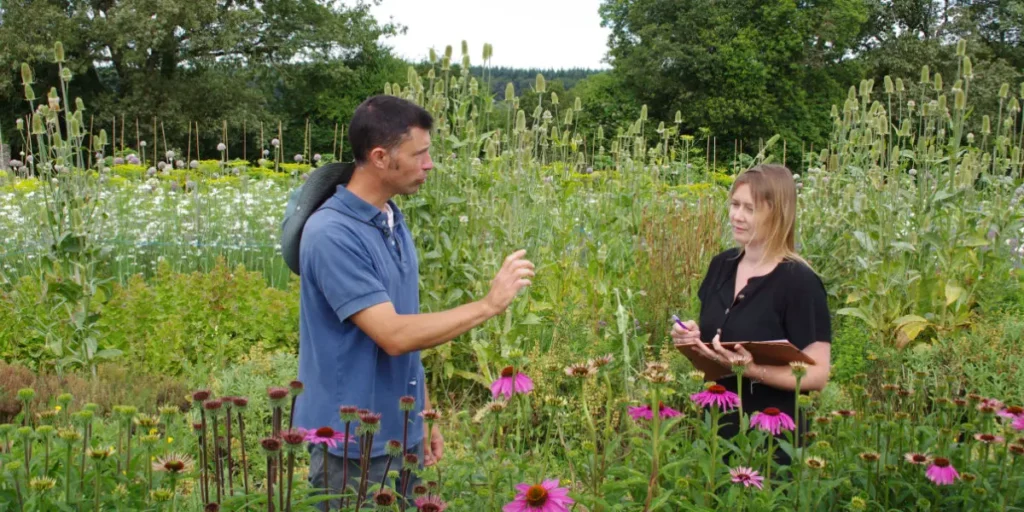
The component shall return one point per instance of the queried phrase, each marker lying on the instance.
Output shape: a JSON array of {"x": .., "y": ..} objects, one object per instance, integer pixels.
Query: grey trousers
[{"x": 375, "y": 474}]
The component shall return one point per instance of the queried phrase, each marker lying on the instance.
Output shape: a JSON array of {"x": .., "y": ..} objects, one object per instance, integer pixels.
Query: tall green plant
[{"x": 60, "y": 157}]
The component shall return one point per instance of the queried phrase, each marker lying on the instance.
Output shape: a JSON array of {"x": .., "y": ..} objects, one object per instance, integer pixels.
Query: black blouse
[{"x": 788, "y": 303}]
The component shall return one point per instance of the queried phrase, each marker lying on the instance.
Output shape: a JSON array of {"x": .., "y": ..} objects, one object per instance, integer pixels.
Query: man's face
[{"x": 408, "y": 164}]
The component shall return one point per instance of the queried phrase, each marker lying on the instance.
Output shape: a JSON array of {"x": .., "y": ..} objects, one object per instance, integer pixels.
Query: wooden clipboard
[{"x": 769, "y": 353}]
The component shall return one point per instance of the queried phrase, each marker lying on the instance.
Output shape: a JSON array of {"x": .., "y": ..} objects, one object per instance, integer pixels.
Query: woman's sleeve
[{"x": 806, "y": 318}]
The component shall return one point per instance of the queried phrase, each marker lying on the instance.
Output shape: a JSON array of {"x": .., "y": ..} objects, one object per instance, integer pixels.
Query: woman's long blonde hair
[{"x": 773, "y": 188}]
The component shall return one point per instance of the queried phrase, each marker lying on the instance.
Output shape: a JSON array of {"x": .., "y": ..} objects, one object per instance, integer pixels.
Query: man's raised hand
[{"x": 514, "y": 275}]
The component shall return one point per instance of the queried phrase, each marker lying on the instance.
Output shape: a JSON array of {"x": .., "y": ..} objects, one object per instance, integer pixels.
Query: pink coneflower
[
  {"x": 747, "y": 476},
  {"x": 989, "y": 438},
  {"x": 942, "y": 472},
  {"x": 918, "y": 459},
  {"x": 511, "y": 383},
  {"x": 328, "y": 436},
  {"x": 845, "y": 413},
  {"x": 1019, "y": 423},
  {"x": 719, "y": 396},
  {"x": 544, "y": 497},
  {"x": 772, "y": 420},
  {"x": 1013, "y": 412},
  {"x": 644, "y": 412},
  {"x": 430, "y": 504}
]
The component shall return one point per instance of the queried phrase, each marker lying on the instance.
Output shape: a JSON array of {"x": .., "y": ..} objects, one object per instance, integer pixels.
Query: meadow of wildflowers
[{"x": 573, "y": 400}]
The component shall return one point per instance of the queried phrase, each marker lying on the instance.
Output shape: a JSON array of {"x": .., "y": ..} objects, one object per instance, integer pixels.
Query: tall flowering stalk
[
  {"x": 326, "y": 437},
  {"x": 229, "y": 404},
  {"x": 799, "y": 370},
  {"x": 658, "y": 375},
  {"x": 69, "y": 436},
  {"x": 406, "y": 404},
  {"x": 198, "y": 398},
  {"x": 369, "y": 424},
  {"x": 277, "y": 396},
  {"x": 214, "y": 407},
  {"x": 294, "y": 440},
  {"x": 295, "y": 388},
  {"x": 272, "y": 448},
  {"x": 242, "y": 404},
  {"x": 348, "y": 414},
  {"x": 582, "y": 372}
]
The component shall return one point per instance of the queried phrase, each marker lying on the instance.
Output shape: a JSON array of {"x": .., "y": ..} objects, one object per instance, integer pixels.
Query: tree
[
  {"x": 746, "y": 69},
  {"x": 179, "y": 60}
]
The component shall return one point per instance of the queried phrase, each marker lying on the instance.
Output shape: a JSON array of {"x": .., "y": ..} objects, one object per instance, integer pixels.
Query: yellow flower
[
  {"x": 170, "y": 440},
  {"x": 57, "y": 408},
  {"x": 153, "y": 431}
]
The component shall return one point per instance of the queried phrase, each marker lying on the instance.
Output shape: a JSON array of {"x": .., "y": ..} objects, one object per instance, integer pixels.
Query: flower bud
[
  {"x": 1004, "y": 90},
  {"x": 938, "y": 81},
  {"x": 26, "y": 74},
  {"x": 540, "y": 85},
  {"x": 968, "y": 67},
  {"x": 925, "y": 75},
  {"x": 889, "y": 87}
]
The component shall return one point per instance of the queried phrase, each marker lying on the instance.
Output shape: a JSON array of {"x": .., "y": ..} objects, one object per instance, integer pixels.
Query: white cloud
[{"x": 546, "y": 34}]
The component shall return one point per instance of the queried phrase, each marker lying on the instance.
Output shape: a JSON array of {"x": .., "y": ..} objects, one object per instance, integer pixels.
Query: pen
[{"x": 679, "y": 322}]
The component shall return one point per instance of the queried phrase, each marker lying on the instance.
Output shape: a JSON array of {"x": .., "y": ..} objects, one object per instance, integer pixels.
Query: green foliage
[
  {"x": 171, "y": 324},
  {"x": 732, "y": 67},
  {"x": 191, "y": 61}
]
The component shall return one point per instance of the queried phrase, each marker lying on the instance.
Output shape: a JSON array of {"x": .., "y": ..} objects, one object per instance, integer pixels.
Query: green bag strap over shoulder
[{"x": 319, "y": 186}]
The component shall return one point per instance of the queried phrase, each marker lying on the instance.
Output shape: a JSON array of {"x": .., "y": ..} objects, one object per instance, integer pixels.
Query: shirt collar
[{"x": 363, "y": 210}]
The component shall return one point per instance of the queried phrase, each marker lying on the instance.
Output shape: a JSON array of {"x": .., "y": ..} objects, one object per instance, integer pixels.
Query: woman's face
[{"x": 744, "y": 217}]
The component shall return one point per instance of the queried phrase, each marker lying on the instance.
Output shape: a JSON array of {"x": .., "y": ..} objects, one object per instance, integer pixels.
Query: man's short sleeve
[{"x": 343, "y": 271}]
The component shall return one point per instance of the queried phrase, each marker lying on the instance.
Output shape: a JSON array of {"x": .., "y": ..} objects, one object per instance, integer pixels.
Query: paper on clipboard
[{"x": 768, "y": 353}]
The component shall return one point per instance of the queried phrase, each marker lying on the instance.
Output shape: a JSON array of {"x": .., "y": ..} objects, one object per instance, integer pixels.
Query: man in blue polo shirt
[{"x": 361, "y": 331}]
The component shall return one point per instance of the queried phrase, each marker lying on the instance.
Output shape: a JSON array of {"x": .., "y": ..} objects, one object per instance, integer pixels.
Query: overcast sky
[{"x": 547, "y": 34}]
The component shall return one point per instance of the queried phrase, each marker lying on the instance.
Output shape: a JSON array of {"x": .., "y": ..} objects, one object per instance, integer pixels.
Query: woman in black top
[{"x": 762, "y": 291}]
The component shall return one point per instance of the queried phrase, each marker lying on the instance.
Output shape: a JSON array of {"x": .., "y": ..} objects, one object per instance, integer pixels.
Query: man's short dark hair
[{"x": 382, "y": 121}]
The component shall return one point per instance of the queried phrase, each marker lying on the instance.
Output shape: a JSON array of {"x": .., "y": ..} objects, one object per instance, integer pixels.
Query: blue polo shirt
[{"x": 349, "y": 260}]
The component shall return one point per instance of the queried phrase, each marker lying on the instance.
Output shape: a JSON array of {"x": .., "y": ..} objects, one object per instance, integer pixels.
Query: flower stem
[
  {"x": 216, "y": 457},
  {"x": 231, "y": 480},
  {"x": 327, "y": 480},
  {"x": 344, "y": 467},
  {"x": 97, "y": 488},
  {"x": 270, "y": 482},
  {"x": 655, "y": 455},
  {"x": 799, "y": 446},
  {"x": 291, "y": 474},
  {"x": 67, "y": 476},
  {"x": 205, "y": 487},
  {"x": 245, "y": 465}
]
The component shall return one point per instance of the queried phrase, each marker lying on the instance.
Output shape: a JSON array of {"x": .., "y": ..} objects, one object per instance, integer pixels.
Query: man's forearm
[{"x": 427, "y": 330}]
